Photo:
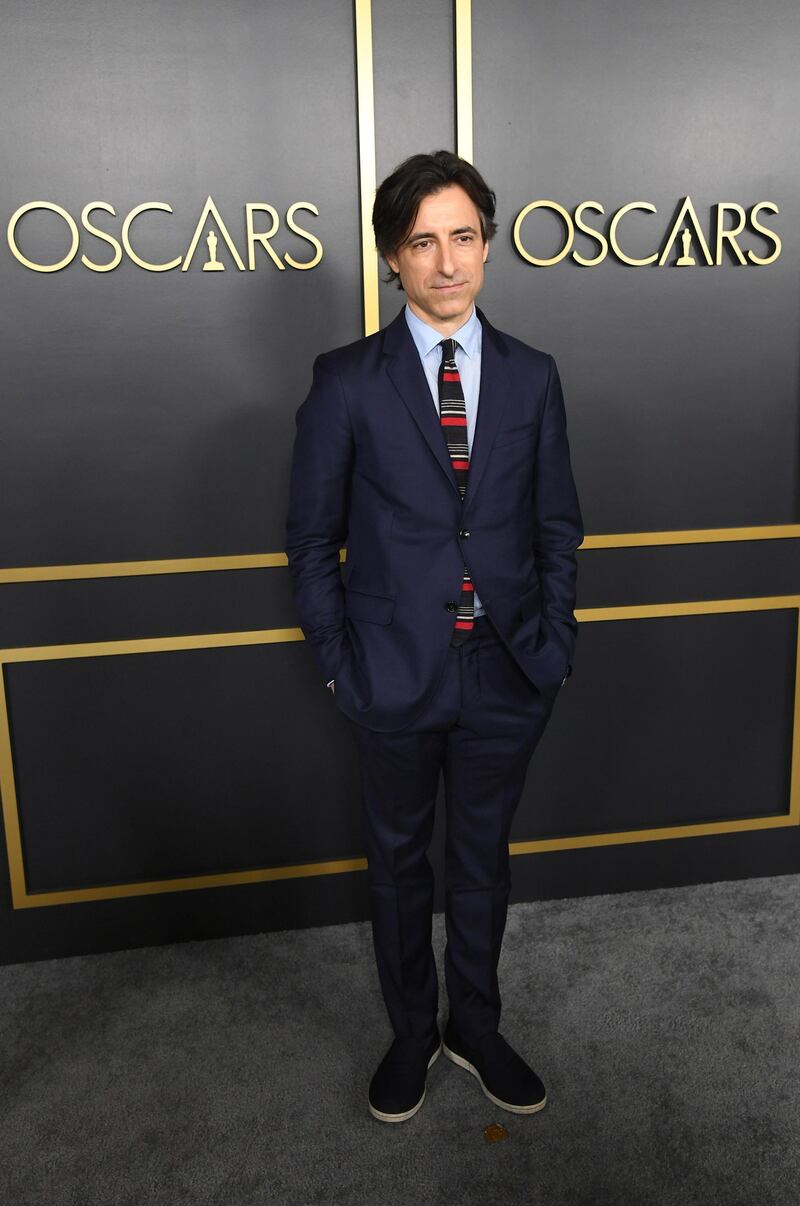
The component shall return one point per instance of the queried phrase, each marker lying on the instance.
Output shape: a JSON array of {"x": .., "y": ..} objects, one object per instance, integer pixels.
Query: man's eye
[{"x": 422, "y": 244}]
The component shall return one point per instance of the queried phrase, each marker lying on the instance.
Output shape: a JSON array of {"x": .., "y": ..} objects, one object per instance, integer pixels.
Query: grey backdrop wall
[{"x": 169, "y": 766}]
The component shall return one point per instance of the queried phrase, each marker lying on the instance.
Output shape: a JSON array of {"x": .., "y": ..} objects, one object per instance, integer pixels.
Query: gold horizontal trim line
[
  {"x": 632, "y": 540},
  {"x": 699, "y": 607},
  {"x": 224, "y": 879},
  {"x": 664, "y": 833},
  {"x": 202, "y": 640},
  {"x": 246, "y": 561},
  {"x": 136, "y": 569},
  {"x": 269, "y": 636}
]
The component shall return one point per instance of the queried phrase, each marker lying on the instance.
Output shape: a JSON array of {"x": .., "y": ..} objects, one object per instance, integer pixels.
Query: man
[{"x": 436, "y": 450}]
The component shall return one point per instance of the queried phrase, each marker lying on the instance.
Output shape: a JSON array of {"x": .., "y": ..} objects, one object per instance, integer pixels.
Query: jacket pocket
[{"x": 375, "y": 609}]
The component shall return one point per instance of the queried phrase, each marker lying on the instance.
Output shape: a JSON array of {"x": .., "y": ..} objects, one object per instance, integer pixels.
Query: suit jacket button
[
  {"x": 463, "y": 532},
  {"x": 451, "y": 605}
]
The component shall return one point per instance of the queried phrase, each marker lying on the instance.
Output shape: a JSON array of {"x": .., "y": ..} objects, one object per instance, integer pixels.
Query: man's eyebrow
[{"x": 428, "y": 234}]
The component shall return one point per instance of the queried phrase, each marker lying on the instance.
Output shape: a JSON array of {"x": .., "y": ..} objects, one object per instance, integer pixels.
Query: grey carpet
[{"x": 664, "y": 1025}]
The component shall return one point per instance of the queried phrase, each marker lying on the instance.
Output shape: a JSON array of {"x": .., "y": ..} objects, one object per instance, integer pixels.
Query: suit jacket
[{"x": 371, "y": 471}]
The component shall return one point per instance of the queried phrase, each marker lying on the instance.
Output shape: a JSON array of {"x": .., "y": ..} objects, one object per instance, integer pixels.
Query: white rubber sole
[
  {"x": 407, "y": 1113},
  {"x": 504, "y": 1105}
]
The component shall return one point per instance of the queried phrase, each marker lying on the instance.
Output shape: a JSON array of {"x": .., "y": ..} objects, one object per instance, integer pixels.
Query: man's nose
[{"x": 446, "y": 263}]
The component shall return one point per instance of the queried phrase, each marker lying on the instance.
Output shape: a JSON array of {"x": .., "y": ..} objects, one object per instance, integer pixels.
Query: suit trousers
[{"x": 479, "y": 729}]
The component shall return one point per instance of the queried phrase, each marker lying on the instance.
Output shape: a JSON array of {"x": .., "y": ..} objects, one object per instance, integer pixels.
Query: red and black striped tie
[{"x": 453, "y": 421}]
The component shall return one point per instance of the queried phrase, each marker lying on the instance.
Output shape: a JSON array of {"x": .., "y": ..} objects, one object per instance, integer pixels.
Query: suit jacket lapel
[
  {"x": 407, "y": 374},
  {"x": 492, "y": 398}
]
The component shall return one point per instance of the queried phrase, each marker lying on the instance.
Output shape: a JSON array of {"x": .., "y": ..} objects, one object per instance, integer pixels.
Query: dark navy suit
[{"x": 371, "y": 471}]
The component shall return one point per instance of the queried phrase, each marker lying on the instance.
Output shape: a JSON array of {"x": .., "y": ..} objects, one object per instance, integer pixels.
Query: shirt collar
[{"x": 427, "y": 338}]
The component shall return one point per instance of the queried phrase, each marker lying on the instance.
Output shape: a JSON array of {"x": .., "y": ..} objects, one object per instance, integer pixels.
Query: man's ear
[
  {"x": 485, "y": 250},
  {"x": 393, "y": 263}
]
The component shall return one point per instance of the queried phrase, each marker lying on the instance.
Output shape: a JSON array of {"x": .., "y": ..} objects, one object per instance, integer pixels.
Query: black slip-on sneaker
[
  {"x": 397, "y": 1090},
  {"x": 503, "y": 1075}
]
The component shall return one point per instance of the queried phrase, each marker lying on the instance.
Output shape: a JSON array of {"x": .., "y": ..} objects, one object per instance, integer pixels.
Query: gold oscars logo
[
  {"x": 687, "y": 222},
  {"x": 210, "y": 219},
  {"x": 212, "y": 264},
  {"x": 686, "y": 259}
]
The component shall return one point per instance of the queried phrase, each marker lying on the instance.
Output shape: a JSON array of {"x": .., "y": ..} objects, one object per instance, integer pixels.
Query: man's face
[{"x": 441, "y": 261}]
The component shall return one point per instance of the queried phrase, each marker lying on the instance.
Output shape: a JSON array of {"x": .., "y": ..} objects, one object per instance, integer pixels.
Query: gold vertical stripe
[
  {"x": 794, "y": 782},
  {"x": 16, "y": 867},
  {"x": 464, "y": 79},
  {"x": 366, "y": 161}
]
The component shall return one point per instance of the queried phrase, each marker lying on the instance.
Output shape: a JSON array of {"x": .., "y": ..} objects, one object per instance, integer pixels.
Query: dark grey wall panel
[
  {"x": 177, "y": 763},
  {"x": 149, "y": 414},
  {"x": 681, "y": 383},
  {"x": 694, "y": 725}
]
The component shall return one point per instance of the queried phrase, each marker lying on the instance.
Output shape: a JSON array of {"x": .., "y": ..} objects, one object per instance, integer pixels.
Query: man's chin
[{"x": 449, "y": 304}]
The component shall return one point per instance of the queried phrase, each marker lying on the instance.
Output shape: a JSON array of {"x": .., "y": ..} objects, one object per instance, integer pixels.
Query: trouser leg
[
  {"x": 399, "y": 775},
  {"x": 486, "y": 760}
]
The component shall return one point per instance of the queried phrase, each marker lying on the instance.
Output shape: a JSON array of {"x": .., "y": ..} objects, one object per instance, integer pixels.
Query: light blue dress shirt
[{"x": 468, "y": 363}]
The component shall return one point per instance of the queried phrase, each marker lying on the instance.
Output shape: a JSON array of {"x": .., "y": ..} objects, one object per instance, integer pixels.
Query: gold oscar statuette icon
[
  {"x": 687, "y": 258},
  {"x": 212, "y": 264}
]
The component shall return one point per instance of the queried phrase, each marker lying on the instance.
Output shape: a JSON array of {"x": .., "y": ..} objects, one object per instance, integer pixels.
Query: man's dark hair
[{"x": 398, "y": 198}]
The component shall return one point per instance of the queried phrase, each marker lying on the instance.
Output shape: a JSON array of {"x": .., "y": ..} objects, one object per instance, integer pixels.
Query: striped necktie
[{"x": 453, "y": 421}]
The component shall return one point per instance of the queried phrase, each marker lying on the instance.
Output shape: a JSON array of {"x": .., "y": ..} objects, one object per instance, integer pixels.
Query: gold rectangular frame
[
  {"x": 23, "y": 899},
  {"x": 703, "y": 828}
]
